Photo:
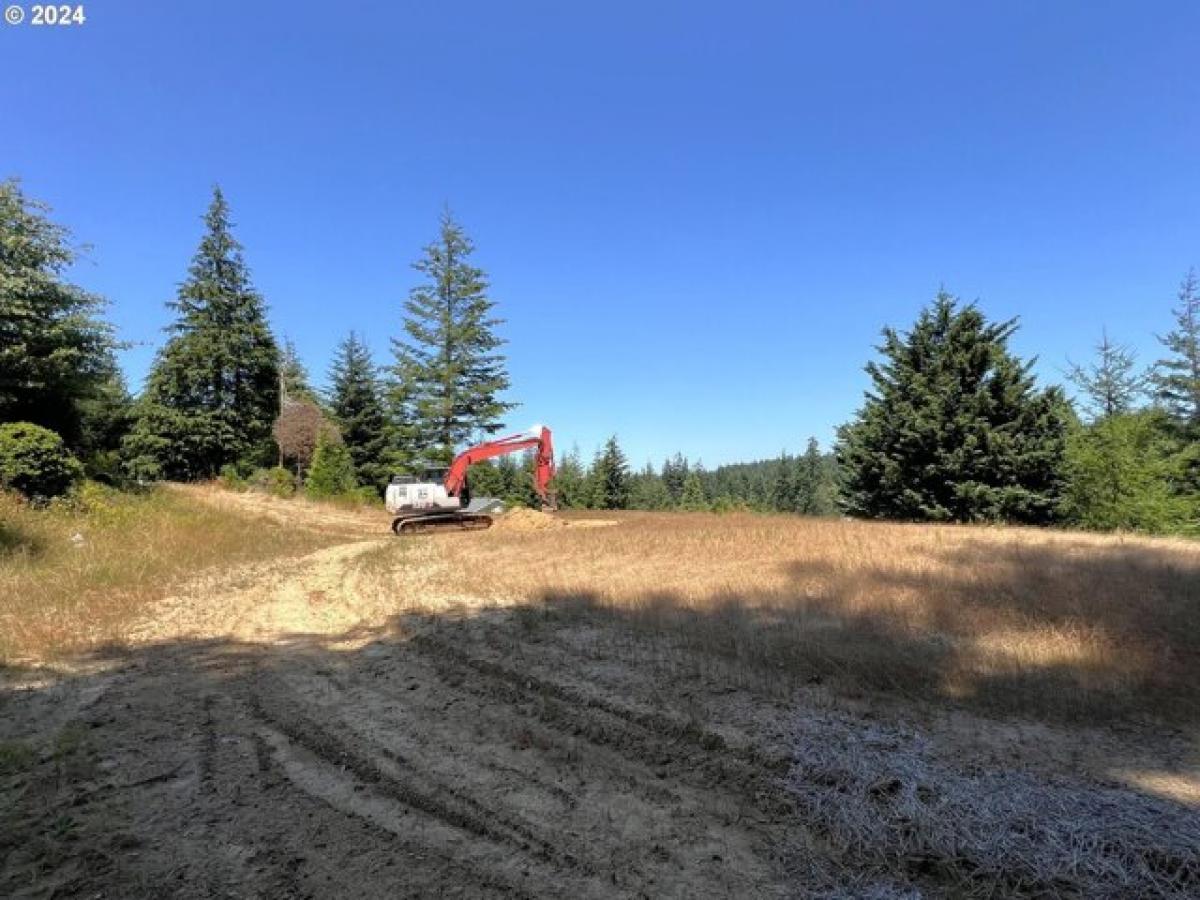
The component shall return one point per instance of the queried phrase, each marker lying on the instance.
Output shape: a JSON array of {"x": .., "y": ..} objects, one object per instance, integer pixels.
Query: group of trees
[
  {"x": 805, "y": 484},
  {"x": 954, "y": 427},
  {"x": 223, "y": 396}
]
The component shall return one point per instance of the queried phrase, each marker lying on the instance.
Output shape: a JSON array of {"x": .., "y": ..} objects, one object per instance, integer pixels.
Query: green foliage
[
  {"x": 674, "y": 473},
  {"x": 1129, "y": 471},
  {"x": 293, "y": 376},
  {"x": 332, "y": 471},
  {"x": 448, "y": 373},
  {"x": 570, "y": 484},
  {"x": 609, "y": 478},
  {"x": 358, "y": 409},
  {"x": 692, "y": 497},
  {"x": 213, "y": 391},
  {"x": 231, "y": 478},
  {"x": 276, "y": 481},
  {"x": 954, "y": 428},
  {"x": 35, "y": 461},
  {"x": 648, "y": 491},
  {"x": 56, "y": 353},
  {"x": 816, "y": 482},
  {"x": 1176, "y": 378},
  {"x": 1111, "y": 385}
]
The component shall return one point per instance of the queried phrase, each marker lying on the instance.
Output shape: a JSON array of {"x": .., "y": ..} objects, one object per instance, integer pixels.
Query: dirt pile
[{"x": 528, "y": 520}]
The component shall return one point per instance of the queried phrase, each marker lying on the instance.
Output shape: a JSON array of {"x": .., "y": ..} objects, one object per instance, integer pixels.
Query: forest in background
[{"x": 954, "y": 427}]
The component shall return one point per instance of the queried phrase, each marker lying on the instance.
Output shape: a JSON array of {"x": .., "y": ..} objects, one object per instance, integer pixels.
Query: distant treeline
[
  {"x": 805, "y": 484},
  {"x": 954, "y": 428}
]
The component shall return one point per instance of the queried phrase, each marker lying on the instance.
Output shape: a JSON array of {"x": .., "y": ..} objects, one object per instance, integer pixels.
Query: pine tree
[
  {"x": 56, "y": 353},
  {"x": 785, "y": 491},
  {"x": 332, "y": 471},
  {"x": 449, "y": 374},
  {"x": 692, "y": 497},
  {"x": 816, "y": 484},
  {"x": 609, "y": 477},
  {"x": 647, "y": 490},
  {"x": 570, "y": 481},
  {"x": 293, "y": 376},
  {"x": 954, "y": 428},
  {"x": 1111, "y": 385},
  {"x": 1177, "y": 377},
  {"x": 357, "y": 407},
  {"x": 213, "y": 391},
  {"x": 1130, "y": 471},
  {"x": 674, "y": 473}
]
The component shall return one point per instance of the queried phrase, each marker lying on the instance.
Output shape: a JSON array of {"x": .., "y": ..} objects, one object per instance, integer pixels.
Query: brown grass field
[
  {"x": 215, "y": 694},
  {"x": 1028, "y": 621}
]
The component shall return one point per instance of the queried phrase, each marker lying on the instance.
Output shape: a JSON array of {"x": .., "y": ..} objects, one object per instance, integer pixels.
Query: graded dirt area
[
  {"x": 359, "y": 722},
  {"x": 281, "y": 731}
]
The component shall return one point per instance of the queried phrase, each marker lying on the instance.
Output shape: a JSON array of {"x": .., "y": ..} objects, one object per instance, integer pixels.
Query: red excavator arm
[{"x": 536, "y": 437}]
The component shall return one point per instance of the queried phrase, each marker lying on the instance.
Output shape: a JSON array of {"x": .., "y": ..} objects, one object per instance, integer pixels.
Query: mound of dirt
[{"x": 528, "y": 520}]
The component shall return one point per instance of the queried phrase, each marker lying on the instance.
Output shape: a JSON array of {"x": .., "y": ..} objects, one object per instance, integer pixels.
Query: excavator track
[{"x": 410, "y": 525}]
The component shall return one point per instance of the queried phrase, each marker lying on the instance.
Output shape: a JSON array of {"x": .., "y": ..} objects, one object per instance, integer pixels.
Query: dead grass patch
[
  {"x": 1015, "y": 620},
  {"x": 76, "y": 575}
]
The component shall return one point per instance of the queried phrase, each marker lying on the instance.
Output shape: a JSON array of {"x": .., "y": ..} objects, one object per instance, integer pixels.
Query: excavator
[{"x": 439, "y": 501}]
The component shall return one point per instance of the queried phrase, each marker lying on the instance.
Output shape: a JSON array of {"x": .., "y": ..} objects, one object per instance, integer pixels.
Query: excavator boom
[{"x": 538, "y": 437}]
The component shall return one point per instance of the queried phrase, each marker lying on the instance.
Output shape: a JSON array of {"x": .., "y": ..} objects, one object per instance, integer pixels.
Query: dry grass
[
  {"x": 76, "y": 575},
  {"x": 1015, "y": 620}
]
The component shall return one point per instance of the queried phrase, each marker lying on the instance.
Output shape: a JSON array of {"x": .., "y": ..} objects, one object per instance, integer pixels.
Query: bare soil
[{"x": 354, "y": 724}]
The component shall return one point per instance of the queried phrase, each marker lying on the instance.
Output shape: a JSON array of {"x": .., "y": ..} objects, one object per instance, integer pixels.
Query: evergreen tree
[
  {"x": 56, "y": 353},
  {"x": 816, "y": 483},
  {"x": 1129, "y": 471},
  {"x": 674, "y": 473},
  {"x": 448, "y": 372},
  {"x": 357, "y": 407},
  {"x": 293, "y": 376},
  {"x": 332, "y": 471},
  {"x": 610, "y": 477},
  {"x": 1177, "y": 377},
  {"x": 1111, "y": 385},
  {"x": 692, "y": 496},
  {"x": 954, "y": 428},
  {"x": 213, "y": 391},
  {"x": 786, "y": 490},
  {"x": 570, "y": 481},
  {"x": 648, "y": 491}
]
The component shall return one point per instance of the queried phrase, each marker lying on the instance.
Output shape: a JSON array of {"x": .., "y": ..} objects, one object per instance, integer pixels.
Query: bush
[
  {"x": 35, "y": 462},
  {"x": 231, "y": 478},
  {"x": 332, "y": 471},
  {"x": 277, "y": 481}
]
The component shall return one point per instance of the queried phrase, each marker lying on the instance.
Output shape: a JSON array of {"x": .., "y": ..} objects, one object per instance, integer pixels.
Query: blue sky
[{"x": 696, "y": 217}]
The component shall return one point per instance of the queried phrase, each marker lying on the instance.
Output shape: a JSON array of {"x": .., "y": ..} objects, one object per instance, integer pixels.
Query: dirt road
[{"x": 333, "y": 726}]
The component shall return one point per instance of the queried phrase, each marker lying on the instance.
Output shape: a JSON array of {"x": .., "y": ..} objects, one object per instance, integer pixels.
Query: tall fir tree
[
  {"x": 293, "y": 376},
  {"x": 785, "y": 490},
  {"x": 356, "y": 403},
  {"x": 1177, "y": 376},
  {"x": 56, "y": 351},
  {"x": 213, "y": 391},
  {"x": 1111, "y": 384},
  {"x": 609, "y": 477},
  {"x": 954, "y": 428},
  {"x": 448, "y": 373},
  {"x": 816, "y": 482}
]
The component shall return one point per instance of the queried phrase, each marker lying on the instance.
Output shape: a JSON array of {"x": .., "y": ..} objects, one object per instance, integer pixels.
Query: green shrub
[
  {"x": 35, "y": 462},
  {"x": 231, "y": 478},
  {"x": 276, "y": 481},
  {"x": 332, "y": 471}
]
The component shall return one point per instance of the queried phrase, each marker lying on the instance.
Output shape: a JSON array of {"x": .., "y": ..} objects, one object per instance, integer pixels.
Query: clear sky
[{"x": 696, "y": 217}]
